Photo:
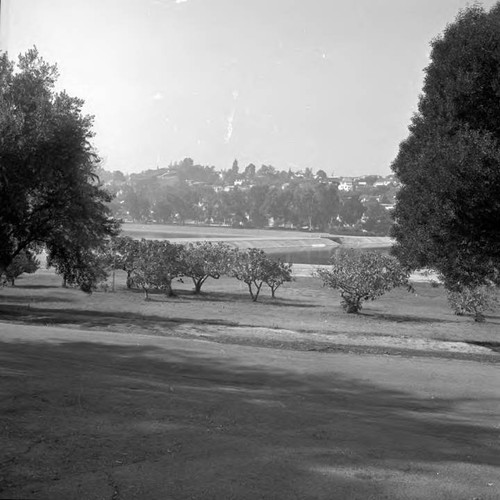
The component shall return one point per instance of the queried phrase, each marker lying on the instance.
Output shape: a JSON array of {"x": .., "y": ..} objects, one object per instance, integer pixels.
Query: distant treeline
[{"x": 264, "y": 197}]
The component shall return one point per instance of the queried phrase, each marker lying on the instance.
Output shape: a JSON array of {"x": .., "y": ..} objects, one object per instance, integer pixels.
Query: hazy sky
[{"x": 292, "y": 83}]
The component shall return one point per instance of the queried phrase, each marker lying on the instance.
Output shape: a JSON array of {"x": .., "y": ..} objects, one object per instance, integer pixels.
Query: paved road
[{"x": 248, "y": 422}]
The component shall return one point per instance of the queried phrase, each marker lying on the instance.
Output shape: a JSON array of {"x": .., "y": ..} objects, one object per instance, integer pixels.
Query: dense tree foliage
[
  {"x": 186, "y": 192},
  {"x": 123, "y": 253},
  {"x": 79, "y": 266},
  {"x": 23, "y": 262},
  {"x": 378, "y": 219},
  {"x": 153, "y": 265},
  {"x": 362, "y": 275},
  {"x": 203, "y": 260},
  {"x": 448, "y": 210},
  {"x": 50, "y": 195},
  {"x": 351, "y": 210},
  {"x": 276, "y": 273},
  {"x": 157, "y": 264},
  {"x": 254, "y": 268},
  {"x": 474, "y": 301},
  {"x": 249, "y": 266},
  {"x": 252, "y": 202}
]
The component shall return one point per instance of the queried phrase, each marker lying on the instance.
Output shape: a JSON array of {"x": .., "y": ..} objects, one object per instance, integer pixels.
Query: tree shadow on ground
[
  {"x": 37, "y": 287},
  {"x": 194, "y": 425},
  {"x": 243, "y": 297},
  {"x": 403, "y": 318},
  {"x": 95, "y": 319},
  {"x": 23, "y": 301}
]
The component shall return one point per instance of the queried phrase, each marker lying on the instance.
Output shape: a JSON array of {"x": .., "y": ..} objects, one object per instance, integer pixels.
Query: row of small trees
[{"x": 154, "y": 265}]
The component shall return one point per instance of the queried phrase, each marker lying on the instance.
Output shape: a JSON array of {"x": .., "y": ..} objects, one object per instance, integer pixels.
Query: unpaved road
[{"x": 90, "y": 415}]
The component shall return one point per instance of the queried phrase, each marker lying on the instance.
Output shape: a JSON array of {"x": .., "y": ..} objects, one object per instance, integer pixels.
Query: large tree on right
[{"x": 447, "y": 213}]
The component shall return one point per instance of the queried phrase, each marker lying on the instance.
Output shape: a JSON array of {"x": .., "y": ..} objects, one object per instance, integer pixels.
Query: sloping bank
[{"x": 291, "y": 246}]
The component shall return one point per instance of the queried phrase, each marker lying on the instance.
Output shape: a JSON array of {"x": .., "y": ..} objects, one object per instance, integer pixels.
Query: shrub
[
  {"x": 473, "y": 300},
  {"x": 23, "y": 262},
  {"x": 362, "y": 276}
]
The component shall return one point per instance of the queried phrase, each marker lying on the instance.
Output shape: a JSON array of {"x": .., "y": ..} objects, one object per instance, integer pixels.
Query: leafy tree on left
[{"x": 50, "y": 195}]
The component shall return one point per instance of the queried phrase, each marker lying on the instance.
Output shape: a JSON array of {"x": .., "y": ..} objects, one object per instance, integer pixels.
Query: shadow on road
[{"x": 201, "y": 426}]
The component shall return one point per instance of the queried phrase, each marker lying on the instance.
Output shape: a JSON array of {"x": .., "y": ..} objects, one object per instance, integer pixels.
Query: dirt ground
[{"x": 215, "y": 397}]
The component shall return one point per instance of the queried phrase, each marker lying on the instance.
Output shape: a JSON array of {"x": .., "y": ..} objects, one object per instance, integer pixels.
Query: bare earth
[{"x": 214, "y": 397}]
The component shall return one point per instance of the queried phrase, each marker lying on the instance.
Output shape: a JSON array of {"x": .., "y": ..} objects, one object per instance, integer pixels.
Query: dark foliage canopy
[
  {"x": 447, "y": 213},
  {"x": 50, "y": 195}
]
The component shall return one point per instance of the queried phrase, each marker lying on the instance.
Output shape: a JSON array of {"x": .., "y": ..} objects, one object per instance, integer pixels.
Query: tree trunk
[
  {"x": 479, "y": 317},
  {"x": 169, "y": 292},
  {"x": 256, "y": 294},
  {"x": 251, "y": 291},
  {"x": 129, "y": 279},
  {"x": 197, "y": 285}
]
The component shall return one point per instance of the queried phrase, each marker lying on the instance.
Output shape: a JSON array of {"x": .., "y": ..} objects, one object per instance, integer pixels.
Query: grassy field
[
  {"x": 303, "y": 311},
  {"x": 216, "y": 397}
]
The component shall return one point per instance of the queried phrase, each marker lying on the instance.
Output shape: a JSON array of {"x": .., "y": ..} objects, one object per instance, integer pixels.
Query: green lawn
[{"x": 302, "y": 306}]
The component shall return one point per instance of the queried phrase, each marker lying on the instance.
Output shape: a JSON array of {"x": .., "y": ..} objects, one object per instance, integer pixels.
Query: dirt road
[{"x": 87, "y": 415}]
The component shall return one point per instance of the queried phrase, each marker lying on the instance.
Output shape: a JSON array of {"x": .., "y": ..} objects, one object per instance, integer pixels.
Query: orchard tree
[
  {"x": 250, "y": 266},
  {"x": 159, "y": 262},
  {"x": 203, "y": 260},
  {"x": 276, "y": 273},
  {"x": 123, "y": 253},
  {"x": 447, "y": 212},
  {"x": 79, "y": 266},
  {"x": 474, "y": 300},
  {"x": 362, "y": 275},
  {"x": 49, "y": 190}
]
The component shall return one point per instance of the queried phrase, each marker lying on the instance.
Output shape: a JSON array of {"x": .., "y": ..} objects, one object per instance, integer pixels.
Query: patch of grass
[{"x": 303, "y": 306}]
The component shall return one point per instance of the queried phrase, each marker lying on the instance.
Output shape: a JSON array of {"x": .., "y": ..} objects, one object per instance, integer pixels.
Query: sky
[{"x": 321, "y": 84}]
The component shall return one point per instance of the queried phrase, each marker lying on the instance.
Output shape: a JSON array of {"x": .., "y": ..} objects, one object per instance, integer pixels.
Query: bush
[
  {"x": 23, "y": 262},
  {"x": 362, "y": 276},
  {"x": 473, "y": 300}
]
